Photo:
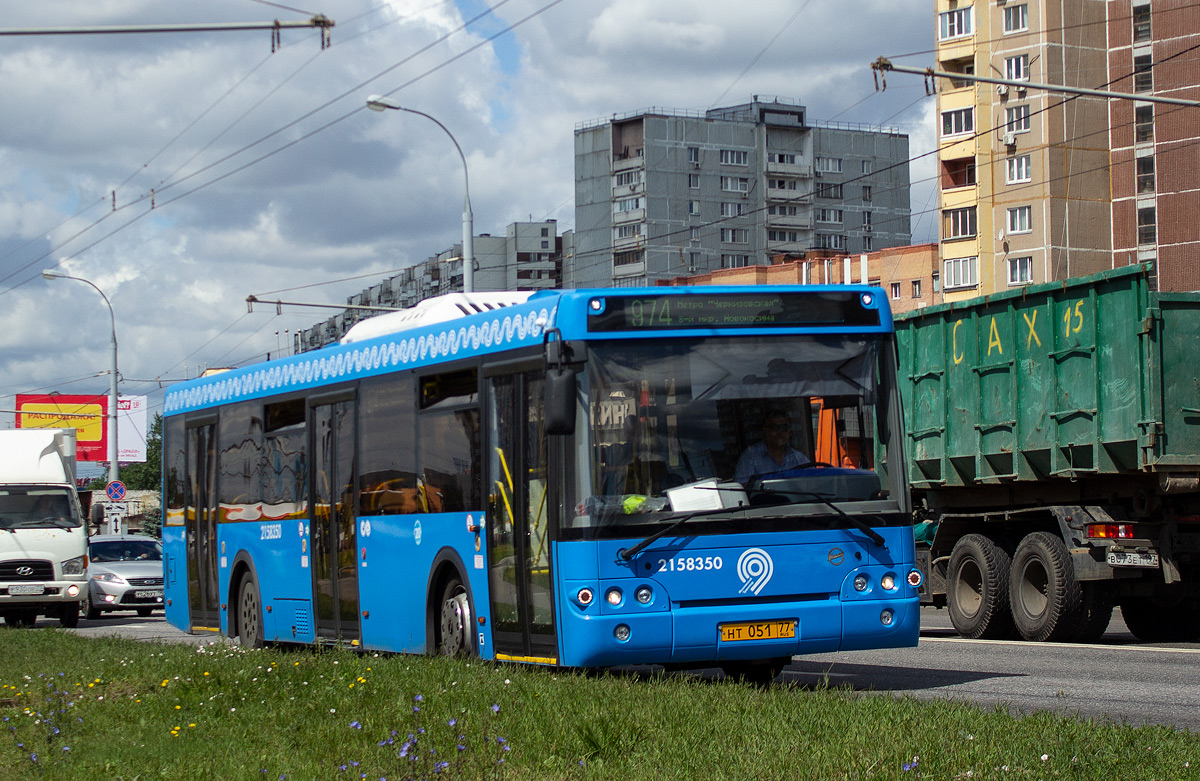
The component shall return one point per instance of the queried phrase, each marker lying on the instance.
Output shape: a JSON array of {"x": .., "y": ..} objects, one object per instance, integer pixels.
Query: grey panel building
[{"x": 661, "y": 193}]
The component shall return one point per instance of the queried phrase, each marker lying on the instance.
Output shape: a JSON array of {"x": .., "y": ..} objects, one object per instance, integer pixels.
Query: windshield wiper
[
  {"x": 626, "y": 554},
  {"x": 857, "y": 523}
]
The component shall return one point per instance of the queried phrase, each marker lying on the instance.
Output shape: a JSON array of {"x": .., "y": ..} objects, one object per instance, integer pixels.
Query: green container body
[{"x": 1091, "y": 376}]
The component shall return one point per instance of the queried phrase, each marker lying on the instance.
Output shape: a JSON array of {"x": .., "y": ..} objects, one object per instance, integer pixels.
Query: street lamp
[
  {"x": 113, "y": 469},
  {"x": 381, "y": 103}
]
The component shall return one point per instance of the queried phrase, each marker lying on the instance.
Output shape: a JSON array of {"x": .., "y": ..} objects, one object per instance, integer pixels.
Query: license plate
[
  {"x": 1121, "y": 558},
  {"x": 27, "y": 588},
  {"x": 757, "y": 630},
  {"x": 148, "y": 594}
]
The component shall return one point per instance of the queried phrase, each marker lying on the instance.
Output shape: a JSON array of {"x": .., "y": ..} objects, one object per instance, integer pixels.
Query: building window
[
  {"x": 958, "y": 223},
  {"x": 1018, "y": 170},
  {"x": 735, "y": 184},
  {"x": 960, "y": 272},
  {"x": 733, "y": 208},
  {"x": 958, "y": 122},
  {"x": 956, "y": 23},
  {"x": 829, "y": 241},
  {"x": 626, "y": 205},
  {"x": 693, "y": 261},
  {"x": 1145, "y": 175},
  {"x": 1016, "y": 119},
  {"x": 1143, "y": 73},
  {"x": 626, "y": 178},
  {"x": 868, "y": 243},
  {"x": 1146, "y": 226},
  {"x": 866, "y": 166},
  {"x": 792, "y": 236},
  {"x": 1016, "y": 18},
  {"x": 735, "y": 235},
  {"x": 958, "y": 173},
  {"x": 1143, "y": 124},
  {"x": 630, "y": 231},
  {"x": 829, "y": 165},
  {"x": 783, "y": 210},
  {"x": 695, "y": 233},
  {"x": 866, "y": 192},
  {"x": 627, "y": 258},
  {"x": 694, "y": 181},
  {"x": 735, "y": 261},
  {"x": 734, "y": 157},
  {"x": 545, "y": 245},
  {"x": 545, "y": 231},
  {"x": 916, "y": 288},
  {"x": 785, "y": 158},
  {"x": 1141, "y": 23},
  {"x": 829, "y": 191},
  {"x": 693, "y": 154},
  {"x": 781, "y": 184},
  {"x": 694, "y": 207},
  {"x": 1020, "y": 271},
  {"x": 828, "y": 215},
  {"x": 866, "y": 220},
  {"x": 1019, "y": 219},
  {"x": 1017, "y": 68},
  {"x": 895, "y": 291}
]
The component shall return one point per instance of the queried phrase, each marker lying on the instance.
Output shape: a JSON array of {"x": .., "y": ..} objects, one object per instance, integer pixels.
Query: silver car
[{"x": 125, "y": 572}]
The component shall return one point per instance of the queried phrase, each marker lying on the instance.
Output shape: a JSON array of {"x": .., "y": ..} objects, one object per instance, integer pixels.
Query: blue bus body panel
[
  {"x": 699, "y": 583},
  {"x": 175, "y": 582}
]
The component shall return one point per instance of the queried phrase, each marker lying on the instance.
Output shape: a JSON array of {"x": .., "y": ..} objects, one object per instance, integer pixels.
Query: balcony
[
  {"x": 790, "y": 169},
  {"x": 790, "y": 221}
]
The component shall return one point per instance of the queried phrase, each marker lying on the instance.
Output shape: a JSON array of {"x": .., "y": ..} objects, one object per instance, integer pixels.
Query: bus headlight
[
  {"x": 613, "y": 596},
  {"x": 585, "y": 596},
  {"x": 643, "y": 594},
  {"x": 860, "y": 582},
  {"x": 888, "y": 582},
  {"x": 621, "y": 632}
]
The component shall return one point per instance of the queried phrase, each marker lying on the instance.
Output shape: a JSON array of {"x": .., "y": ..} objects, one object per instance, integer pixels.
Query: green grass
[{"x": 119, "y": 709}]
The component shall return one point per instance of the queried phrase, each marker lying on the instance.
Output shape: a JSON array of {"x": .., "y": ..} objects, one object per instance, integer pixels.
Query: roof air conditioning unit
[
  {"x": 1001, "y": 89},
  {"x": 1009, "y": 139}
]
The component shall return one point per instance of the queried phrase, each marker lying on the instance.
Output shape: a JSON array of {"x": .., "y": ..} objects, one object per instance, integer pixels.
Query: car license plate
[
  {"x": 27, "y": 588},
  {"x": 757, "y": 630},
  {"x": 148, "y": 594},
  {"x": 1123, "y": 558}
]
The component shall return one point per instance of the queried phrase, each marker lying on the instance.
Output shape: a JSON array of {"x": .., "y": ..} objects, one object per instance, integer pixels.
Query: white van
[{"x": 43, "y": 538}]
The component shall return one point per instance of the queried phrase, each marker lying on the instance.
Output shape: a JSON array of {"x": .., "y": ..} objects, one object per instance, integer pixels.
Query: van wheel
[
  {"x": 977, "y": 588},
  {"x": 1047, "y": 603},
  {"x": 454, "y": 625},
  {"x": 249, "y": 614}
]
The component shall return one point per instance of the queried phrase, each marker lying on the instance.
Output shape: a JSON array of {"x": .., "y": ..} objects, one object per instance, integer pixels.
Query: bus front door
[
  {"x": 200, "y": 528},
  {"x": 519, "y": 577},
  {"x": 334, "y": 538}
]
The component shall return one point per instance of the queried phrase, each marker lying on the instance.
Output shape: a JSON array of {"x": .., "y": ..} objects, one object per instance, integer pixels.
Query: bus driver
[{"x": 774, "y": 454}]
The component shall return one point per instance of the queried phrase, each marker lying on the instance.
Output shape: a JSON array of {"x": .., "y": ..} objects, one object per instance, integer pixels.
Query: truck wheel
[
  {"x": 1046, "y": 598},
  {"x": 1157, "y": 620},
  {"x": 454, "y": 625},
  {"x": 1096, "y": 609},
  {"x": 69, "y": 617},
  {"x": 249, "y": 615},
  {"x": 977, "y": 588}
]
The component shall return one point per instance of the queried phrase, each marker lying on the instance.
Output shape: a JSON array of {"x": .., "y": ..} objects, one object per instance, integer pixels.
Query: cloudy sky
[{"x": 182, "y": 172}]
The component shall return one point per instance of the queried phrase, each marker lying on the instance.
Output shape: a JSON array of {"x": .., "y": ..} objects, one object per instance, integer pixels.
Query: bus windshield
[
  {"x": 37, "y": 507},
  {"x": 791, "y": 429}
]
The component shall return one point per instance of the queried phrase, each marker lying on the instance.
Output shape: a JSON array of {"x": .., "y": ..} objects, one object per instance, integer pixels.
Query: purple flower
[
  {"x": 418, "y": 698},
  {"x": 452, "y": 722},
  {"x": 355, "y": 725},
  {"x": 495, "y": 709}
]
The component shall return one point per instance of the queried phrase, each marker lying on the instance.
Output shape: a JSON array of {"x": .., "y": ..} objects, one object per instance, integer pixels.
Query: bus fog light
[
  {"x": 860, "y": 582},
  {"x": 621, "y": 632},
  {"x": 888, "y": 582},
  {"x": 644, "y": 594},
  {"x": 585, "y": 596},
  {"x": 914, "y": 578},
  {"x": 613, "y": 596},
  {"x": 886, "y": 618}
]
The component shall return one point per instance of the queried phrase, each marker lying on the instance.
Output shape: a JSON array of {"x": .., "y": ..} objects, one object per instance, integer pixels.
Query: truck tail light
[{"x": 1110, "y": 531}]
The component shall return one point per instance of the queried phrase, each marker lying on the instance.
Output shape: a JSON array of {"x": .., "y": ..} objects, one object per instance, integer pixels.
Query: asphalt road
[{"x": 1117, "y": 679}]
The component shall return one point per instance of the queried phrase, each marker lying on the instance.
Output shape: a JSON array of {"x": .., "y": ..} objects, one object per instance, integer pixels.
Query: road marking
[{"x": 1097, "y": 646}]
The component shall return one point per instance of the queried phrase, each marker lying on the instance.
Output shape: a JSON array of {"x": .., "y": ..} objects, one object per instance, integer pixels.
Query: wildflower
[
  {"x": 495, "y": 709},
  {"x": 1045, "y": 757},
  {"x": 452, "y": 722},
  {"x": 355, "y": 725}
]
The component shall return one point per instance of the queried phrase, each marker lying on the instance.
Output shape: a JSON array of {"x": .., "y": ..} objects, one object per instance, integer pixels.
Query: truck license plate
[
  {"x": 27, "y": 588},
  {"x": 757, "y": 630},
  {"x": 1132, "y": 559}
]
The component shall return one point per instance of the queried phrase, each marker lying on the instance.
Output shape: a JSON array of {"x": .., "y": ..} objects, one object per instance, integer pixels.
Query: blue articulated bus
[{"x": 550, "y": 478}]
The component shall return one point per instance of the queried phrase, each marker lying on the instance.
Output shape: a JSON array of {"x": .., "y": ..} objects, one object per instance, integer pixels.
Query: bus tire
[
  {"x": 977, "y": 588},
  {"x": 758, "y": 673},
  {"x": 1047, "y": 603},
  {"x": 249, "y": 614},
  {"x": 454, "y": 628}
]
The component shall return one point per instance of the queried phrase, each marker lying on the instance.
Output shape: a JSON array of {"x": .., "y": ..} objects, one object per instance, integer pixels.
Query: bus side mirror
[{"x": 560, "y": 400}]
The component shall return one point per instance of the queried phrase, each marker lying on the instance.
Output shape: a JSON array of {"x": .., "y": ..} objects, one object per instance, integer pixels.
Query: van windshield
[{"x": 38, "y": 507}]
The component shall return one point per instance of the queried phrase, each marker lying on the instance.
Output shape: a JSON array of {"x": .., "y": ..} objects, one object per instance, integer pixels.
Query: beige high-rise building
[{"x": 1024, "y": 191}]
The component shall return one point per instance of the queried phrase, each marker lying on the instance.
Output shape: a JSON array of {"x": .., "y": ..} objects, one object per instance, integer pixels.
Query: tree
[{"x": 147, "y": 476}]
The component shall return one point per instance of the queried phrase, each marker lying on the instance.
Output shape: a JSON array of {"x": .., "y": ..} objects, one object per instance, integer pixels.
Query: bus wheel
[
  {"x": 1047, "y": 603},
  {"x": 977, "y": 588},
  {"x": 759, "y": 673},
  {"x": 249, "y": 614},
  {"x": 69, "y": 617},
  {"x": 454, "y": 629}
]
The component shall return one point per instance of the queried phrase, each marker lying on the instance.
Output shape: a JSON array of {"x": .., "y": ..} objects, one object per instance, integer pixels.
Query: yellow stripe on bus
[{"x": 535, "y": 659}]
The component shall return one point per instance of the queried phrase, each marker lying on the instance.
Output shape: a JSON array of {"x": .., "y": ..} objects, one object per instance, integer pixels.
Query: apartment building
[
  {"x": 1155, "y": 147},
  {"x": 1024, "y": 193},
  {"x": 661, "y": 193}
]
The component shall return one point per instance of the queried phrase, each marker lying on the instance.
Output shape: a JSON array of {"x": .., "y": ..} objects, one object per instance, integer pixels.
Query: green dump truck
[{"x": 1054, "y": 452}]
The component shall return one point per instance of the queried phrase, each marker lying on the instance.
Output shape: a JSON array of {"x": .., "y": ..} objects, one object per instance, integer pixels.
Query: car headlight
[
  {"x": 109, "y": 577},
  {"x": 75, "y": 566}
]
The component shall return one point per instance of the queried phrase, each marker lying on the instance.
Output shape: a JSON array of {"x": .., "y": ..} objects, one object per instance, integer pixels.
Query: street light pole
[
  {"x": 380, "y": 103},
  {"x": 113, "y": 468}
]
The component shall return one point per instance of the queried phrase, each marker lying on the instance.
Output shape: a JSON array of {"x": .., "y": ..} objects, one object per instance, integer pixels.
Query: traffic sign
[{"x": 115, "y": 491}]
